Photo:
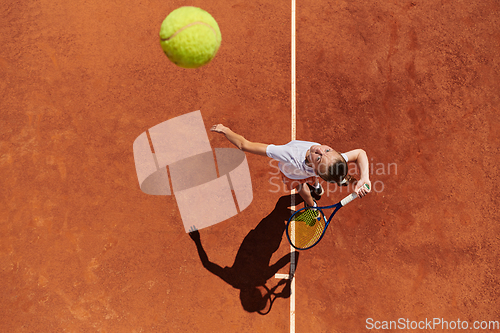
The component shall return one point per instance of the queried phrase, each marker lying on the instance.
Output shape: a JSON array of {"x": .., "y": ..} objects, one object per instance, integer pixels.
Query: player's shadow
[{"x": 251, "y": 268}]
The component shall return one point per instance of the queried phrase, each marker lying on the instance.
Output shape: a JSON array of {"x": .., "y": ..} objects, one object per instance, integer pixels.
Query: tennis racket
[{"x": 307, "y": 226}]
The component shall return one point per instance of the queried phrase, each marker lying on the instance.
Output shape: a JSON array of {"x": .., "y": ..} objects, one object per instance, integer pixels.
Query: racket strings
[{"x": 306, "y": 228}]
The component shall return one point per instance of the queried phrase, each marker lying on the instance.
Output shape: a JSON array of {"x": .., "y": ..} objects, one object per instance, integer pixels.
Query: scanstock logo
[{"x": 209, "y": 186}]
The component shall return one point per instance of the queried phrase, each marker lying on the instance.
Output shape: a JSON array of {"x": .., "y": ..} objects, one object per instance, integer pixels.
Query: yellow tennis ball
[{"x": 190, "y": 37}]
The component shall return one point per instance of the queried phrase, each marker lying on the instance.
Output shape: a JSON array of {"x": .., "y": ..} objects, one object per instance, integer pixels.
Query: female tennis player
[{"x": 302, "y": 162}]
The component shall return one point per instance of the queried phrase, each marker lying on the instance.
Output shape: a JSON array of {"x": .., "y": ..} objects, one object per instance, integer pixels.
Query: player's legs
[
  {"x": 301, "y": 186},
  {"x": 305, "y": 193}
]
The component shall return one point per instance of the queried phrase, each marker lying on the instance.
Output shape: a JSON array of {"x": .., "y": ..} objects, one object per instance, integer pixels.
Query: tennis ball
[{"x": 190, "y": 37}]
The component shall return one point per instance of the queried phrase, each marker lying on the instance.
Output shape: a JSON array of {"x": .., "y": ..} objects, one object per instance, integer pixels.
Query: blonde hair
[{"x": 337, "y": 172}]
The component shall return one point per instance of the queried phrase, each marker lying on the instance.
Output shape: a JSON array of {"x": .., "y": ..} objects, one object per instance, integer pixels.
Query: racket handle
[
  {"x": 348, "y": 199},
  {"x": 351, "y": 197}
]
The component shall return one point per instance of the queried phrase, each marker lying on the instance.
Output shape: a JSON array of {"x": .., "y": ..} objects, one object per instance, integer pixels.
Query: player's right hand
[{"x": 361, "y": 189}]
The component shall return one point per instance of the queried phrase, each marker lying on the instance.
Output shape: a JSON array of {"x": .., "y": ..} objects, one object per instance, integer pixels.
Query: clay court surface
[{"x": 414, "y": 83}]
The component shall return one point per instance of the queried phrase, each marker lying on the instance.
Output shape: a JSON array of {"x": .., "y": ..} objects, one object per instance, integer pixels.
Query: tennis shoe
[{"x": 316, "y": 193}]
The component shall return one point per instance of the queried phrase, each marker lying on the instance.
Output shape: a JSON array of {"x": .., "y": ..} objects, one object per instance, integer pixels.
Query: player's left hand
[
  {"x": 219, "y": 128},
  {"x": 361, "y": 189}
]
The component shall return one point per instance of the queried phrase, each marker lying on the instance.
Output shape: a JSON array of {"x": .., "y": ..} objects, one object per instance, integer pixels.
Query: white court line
[
  {"x": 282, "y": 276},
  {"x": 293, "y": 192},
  {"x": 294, "y": 107}
]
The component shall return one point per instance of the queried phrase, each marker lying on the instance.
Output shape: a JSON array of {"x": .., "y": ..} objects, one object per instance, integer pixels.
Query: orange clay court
[{"x": 416, "y": 84}]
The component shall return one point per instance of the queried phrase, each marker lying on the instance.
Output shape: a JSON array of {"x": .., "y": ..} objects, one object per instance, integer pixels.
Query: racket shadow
[{"x": 252, "y": 266}]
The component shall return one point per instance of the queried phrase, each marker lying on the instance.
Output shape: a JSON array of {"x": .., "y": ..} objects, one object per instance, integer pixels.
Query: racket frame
[
  {"x": 336, "y": 208},
  {"x": 327, "y": 222}
]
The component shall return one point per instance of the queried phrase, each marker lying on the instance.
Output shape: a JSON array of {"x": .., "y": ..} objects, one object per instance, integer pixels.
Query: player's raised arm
[
  {"x": 239, "y": 141},
  {"x": 359, "y": 156}
]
